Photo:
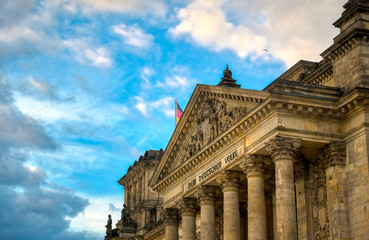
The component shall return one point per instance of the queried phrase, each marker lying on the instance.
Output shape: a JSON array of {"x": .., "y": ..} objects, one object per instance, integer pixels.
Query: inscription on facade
[{"x": 214, "y": 168}]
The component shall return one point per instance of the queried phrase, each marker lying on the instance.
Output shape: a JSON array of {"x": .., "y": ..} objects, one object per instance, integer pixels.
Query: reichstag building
[{"x": 288, "y": 162}]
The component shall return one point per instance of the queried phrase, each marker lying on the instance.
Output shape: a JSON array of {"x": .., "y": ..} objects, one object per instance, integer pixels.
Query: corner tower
[{"x": 349, "y": 53}]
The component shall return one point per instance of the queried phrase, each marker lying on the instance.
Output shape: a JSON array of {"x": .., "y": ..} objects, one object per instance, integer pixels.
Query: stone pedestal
[
  {"x": 282, "y": 150},
  {"x": 253, "y": 166},
  {"x": 188, "y": 212},
  {"x": 229, "y": 181},
  {"x": 170, "y": 218},
  {"x": 206, "y": 195}
]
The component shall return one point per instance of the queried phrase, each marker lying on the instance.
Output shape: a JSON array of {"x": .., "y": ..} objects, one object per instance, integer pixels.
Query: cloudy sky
[{"x": 86, "y": 86}]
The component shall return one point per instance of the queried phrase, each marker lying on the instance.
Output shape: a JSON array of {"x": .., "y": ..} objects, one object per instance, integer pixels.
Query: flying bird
[{"x": 266, "y": 50}]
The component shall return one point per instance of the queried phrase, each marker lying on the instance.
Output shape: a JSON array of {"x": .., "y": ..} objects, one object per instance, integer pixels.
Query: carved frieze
[
  {"x": 214, "y": 118},
  {"x": 319, "y": 201}
]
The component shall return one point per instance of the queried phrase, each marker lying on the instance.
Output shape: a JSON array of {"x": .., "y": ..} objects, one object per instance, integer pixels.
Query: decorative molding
[
  {"x": 254, "y": 165},
  {"x": 206, "y": 194},
  {"x": 283, "y": 147},
  {"x": 155, "y": 234},
  {"x": 188, "y": 206},
  {"x": 170, "y": 216},
  {"x": 229, "y": 180}
]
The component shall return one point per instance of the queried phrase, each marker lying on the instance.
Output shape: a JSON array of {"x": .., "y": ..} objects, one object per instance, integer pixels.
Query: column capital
[
  {"x": 229, "y": 180},
  {"x": 170, "y": 216},
  {"x": 187, "y": 206},
  {"x": 334, "y": 154},
  {"x": 206, "y": 194},
  {"x": 254, "y": 165},
  {"x": 283, "y": 147}
]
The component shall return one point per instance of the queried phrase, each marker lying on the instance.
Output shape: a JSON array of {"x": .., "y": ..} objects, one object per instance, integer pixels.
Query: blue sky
[{"x": 87, "y": 86}]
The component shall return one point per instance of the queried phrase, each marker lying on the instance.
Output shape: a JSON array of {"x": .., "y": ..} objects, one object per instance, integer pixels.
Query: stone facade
[{"x": 288, "y": 162}]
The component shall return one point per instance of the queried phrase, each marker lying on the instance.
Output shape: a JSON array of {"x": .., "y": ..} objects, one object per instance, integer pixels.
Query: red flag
[{"x": 179, "y": 112}]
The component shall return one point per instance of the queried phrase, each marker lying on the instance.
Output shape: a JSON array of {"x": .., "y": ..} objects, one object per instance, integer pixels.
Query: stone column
[
  {"x": 254, "y": 166},
  {"x": 170, "y": 218},
  {"x": 188, "y": 212},
  {"x": 334, "y": 157},
  {"x": 283, "y": 150},
  {"x": 207, "y": 197},
  {"x": 229, "y": 181}
]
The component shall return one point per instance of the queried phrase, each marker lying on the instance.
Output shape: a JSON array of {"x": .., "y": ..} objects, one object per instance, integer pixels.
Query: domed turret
[{"x": 227, "y": 80}]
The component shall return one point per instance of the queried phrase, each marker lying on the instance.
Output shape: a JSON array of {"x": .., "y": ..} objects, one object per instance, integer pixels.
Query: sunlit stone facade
[{"x": 289, "y": 162}]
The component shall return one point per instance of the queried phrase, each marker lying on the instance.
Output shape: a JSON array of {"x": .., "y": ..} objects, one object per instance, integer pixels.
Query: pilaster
[{"x": 334, "y": 158}]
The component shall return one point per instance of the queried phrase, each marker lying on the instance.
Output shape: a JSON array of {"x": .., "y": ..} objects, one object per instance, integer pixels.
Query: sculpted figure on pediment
[{"x": 214, "y": 118}]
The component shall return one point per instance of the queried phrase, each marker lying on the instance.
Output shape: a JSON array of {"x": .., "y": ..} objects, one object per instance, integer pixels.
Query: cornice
[
  {"x": 155, "y": 233},
  {"x": 320, "y": 76},
  {"x": 137, "y": 171},
  {"x": 345, "y": 45}
]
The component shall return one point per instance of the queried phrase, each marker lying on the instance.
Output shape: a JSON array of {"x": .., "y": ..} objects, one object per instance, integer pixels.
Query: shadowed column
[
  {"x": 207, "y": 197},
  {"x": 253, "y": 166},
  {"x": 282, "y": 150},
  {"x": 170, "y": 218},
  {"x": 188, "y": 212},
  {"x": 229, "y": 181}
]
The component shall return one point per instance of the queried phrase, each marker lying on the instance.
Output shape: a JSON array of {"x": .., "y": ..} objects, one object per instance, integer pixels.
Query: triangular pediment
[{"x": 209, "y": 113}]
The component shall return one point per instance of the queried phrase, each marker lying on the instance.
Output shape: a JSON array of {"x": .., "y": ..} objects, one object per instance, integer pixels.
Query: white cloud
[
  {"x": 137, "y": 7},
  {"x": 95, "y": 216},
  {"x": 205, "y": 21},
  {"x": 164, "y": 104},
  {"x": 141, "y": 105},
  {"x": 176, "y": 81},
  {"x": 87, "y": 54},
  {"x": 287, "y": 28},
  {"x": 133, "y": 35}
]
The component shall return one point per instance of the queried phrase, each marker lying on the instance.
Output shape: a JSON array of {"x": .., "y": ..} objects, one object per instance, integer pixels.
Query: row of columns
[{"x": 282, "y": 151}]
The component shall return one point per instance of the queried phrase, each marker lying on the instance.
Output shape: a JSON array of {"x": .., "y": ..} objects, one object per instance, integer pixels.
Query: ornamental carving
[
  {"x": 187, "y": 205},
  {"x": 334, "y": 154},
  {"x": 214, "y": 118},
  {"x": 170, "y": 216},
  {"x": 229, "y": 180},
  {"x": 254, "y": 165},
  {"x": 283, "y": 147},
  {"x": 319, "y": 201},
  {"x": 206, "y": 193}
]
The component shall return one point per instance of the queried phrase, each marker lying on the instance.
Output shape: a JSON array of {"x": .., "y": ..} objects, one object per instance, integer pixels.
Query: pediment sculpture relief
[{"x": 214, "y": 118}]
